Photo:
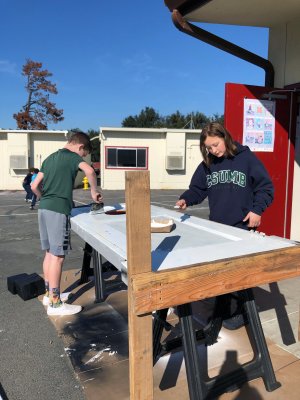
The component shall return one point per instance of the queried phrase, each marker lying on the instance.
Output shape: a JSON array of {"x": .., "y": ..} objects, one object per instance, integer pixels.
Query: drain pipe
[{"x": 223, "y": 44}]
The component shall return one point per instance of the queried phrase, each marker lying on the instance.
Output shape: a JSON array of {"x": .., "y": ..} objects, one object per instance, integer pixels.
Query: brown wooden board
[
  {"x": 138, "y": 261},
  {"x": 158, "y": 290}
]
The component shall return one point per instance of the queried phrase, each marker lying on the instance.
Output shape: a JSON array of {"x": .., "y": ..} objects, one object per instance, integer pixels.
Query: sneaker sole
[{"x": 60, "y": 311}]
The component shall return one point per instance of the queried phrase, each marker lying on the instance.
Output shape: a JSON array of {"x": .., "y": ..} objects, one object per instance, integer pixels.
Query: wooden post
[
  {"x": 138, "y": 231},
  {"x": 299, "y": 327}
]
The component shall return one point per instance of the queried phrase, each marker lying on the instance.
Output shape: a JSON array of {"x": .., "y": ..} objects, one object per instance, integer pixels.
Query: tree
[
  {"x": 199, "y": 119},
  {"x": 218, "y": 118},
  {"x": 147, "y": 118},
  {"x": 95, "y": 154},
  {"x": 38, "y": 110},
  {"x": 130, "y": 122},
  {"x": 175, "y": 120}
]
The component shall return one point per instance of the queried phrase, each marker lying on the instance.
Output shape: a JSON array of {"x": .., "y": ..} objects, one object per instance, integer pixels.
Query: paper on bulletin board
[{"x": 259, "y": 124}]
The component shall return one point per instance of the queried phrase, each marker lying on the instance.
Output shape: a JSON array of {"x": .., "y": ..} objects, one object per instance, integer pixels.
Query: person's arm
[
  {"x": 181, "y": 204},
  {"x": 253, "y": 219},
  {"x": 197, "y": 191},
  {"x": 263, "y": 192},
  {"x": 35, "y": 184},
  {"x": 92, "y": 178}
]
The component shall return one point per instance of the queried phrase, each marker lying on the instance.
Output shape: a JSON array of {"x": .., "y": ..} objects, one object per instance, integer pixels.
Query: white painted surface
[{"x": 194, "y": 240}]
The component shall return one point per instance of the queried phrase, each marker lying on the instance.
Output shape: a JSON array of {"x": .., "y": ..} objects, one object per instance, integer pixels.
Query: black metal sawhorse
[
  {"x": 91, "y": 254},
  {"x": 201, "y": 387}
]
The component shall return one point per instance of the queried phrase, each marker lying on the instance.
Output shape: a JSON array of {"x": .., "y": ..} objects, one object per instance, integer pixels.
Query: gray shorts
[{"x": 54, "y": 232}]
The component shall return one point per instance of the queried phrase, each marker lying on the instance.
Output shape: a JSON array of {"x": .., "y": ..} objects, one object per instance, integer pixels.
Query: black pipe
[{"x": 223, "y": 44}]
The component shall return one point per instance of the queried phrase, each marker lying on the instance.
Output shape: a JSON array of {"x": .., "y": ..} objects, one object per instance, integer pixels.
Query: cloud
[
  {"x": 139, "y": 66},
  {"x": 143, "y": 68},
  {"x": 8, "y": 67},
  {"x": 138, "y": 61}
]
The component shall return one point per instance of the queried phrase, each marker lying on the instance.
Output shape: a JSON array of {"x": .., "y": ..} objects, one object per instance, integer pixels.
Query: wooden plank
[
  {"x": 299, "y": 328},
  {"x": 138, "y": 217},
  {"x": 158, "y": 290}
]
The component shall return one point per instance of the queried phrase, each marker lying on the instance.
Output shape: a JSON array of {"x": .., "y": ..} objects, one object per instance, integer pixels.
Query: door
[
  {"x": 279, "y": 163},
  {"x": 42, "y": 145}
]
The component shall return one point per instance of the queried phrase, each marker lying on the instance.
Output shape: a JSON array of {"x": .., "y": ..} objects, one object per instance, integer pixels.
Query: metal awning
[{"x": 266, "y": 13}]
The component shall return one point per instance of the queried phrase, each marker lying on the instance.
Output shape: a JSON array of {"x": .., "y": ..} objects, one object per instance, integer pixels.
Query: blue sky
[{"x": 110, "y": 59}]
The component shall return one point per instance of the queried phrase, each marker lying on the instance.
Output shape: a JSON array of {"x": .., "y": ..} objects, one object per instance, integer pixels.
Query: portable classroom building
[{"x": 171, "y": 155}]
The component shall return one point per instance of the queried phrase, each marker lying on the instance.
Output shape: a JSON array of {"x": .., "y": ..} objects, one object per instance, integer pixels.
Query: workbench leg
[
  {"x": 138, "y": 237},
  {"x": 140, "y": 357},
  {"x": 86, "y": 270},
  {"x": 261, "y": 366},
  {"x": 159, "y": 324},
  {"x": 299, "y": 328},
  {"x": 191, "y": 356},
  {"x": 258, "y": 342},
  {"x": 98, "y": 275}
]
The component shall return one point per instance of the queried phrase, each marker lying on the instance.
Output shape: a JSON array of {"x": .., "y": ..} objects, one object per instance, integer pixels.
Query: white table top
[{"x": 193, "y": 240}]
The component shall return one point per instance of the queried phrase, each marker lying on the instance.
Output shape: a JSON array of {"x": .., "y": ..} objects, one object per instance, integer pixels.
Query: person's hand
[
  {"x": 181, "y": 204},
  {"x": 96, "y": 196},
  {"x": 253, "y": 220}
]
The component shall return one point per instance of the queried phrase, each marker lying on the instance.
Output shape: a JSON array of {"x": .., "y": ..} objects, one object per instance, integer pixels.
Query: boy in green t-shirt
[{"x": 57, "y": 174}]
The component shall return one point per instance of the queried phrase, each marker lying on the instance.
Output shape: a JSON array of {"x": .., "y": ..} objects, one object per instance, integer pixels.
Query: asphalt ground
[{"x": 34, "y": 365}]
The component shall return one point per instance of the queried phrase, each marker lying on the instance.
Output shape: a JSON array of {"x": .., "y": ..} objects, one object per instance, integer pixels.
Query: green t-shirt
[{"x": 60, "y": 170}]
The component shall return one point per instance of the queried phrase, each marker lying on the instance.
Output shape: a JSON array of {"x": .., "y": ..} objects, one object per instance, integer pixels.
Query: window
[{"x": 127, "y": 157}]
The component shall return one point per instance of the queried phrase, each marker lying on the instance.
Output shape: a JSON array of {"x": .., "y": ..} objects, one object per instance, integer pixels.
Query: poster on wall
[{"x": 259, "y": 124}]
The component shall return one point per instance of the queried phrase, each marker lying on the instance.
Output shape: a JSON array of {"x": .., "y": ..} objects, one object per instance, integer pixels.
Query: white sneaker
[
  {"x": 63, "y": 296},
  {"x": 64, "y": 309}
]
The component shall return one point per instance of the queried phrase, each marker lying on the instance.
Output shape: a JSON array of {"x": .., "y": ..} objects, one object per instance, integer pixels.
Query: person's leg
[
  {"x": 28, "y": 191},
  {"x": 55, "y": 280},
  {"x": 24, "y": 187},
  {"x": 52, "y": 268},
  {"x": 54, "y": 277},
  {"x": 46, "y": 264},
  {"x": 33, "y": 201},
  {"x": 55, "y": 240}
]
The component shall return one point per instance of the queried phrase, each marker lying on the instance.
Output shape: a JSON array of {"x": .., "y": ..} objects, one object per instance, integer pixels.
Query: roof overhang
[
  {"x": 145, "y": 130},
  {"x": 266, "y": 13},
  {"x": 45, "y": 131}
]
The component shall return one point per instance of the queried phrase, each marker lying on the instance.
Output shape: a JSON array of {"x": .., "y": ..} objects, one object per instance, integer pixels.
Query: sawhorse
[
  {"x": 97, "y": 271},
  {"x": 201, "y": 387}
]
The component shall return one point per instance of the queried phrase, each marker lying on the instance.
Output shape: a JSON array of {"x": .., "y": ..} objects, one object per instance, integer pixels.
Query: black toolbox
[
  {"x": 26, "y": 286},
  {"x": 12, "y": 280}
]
